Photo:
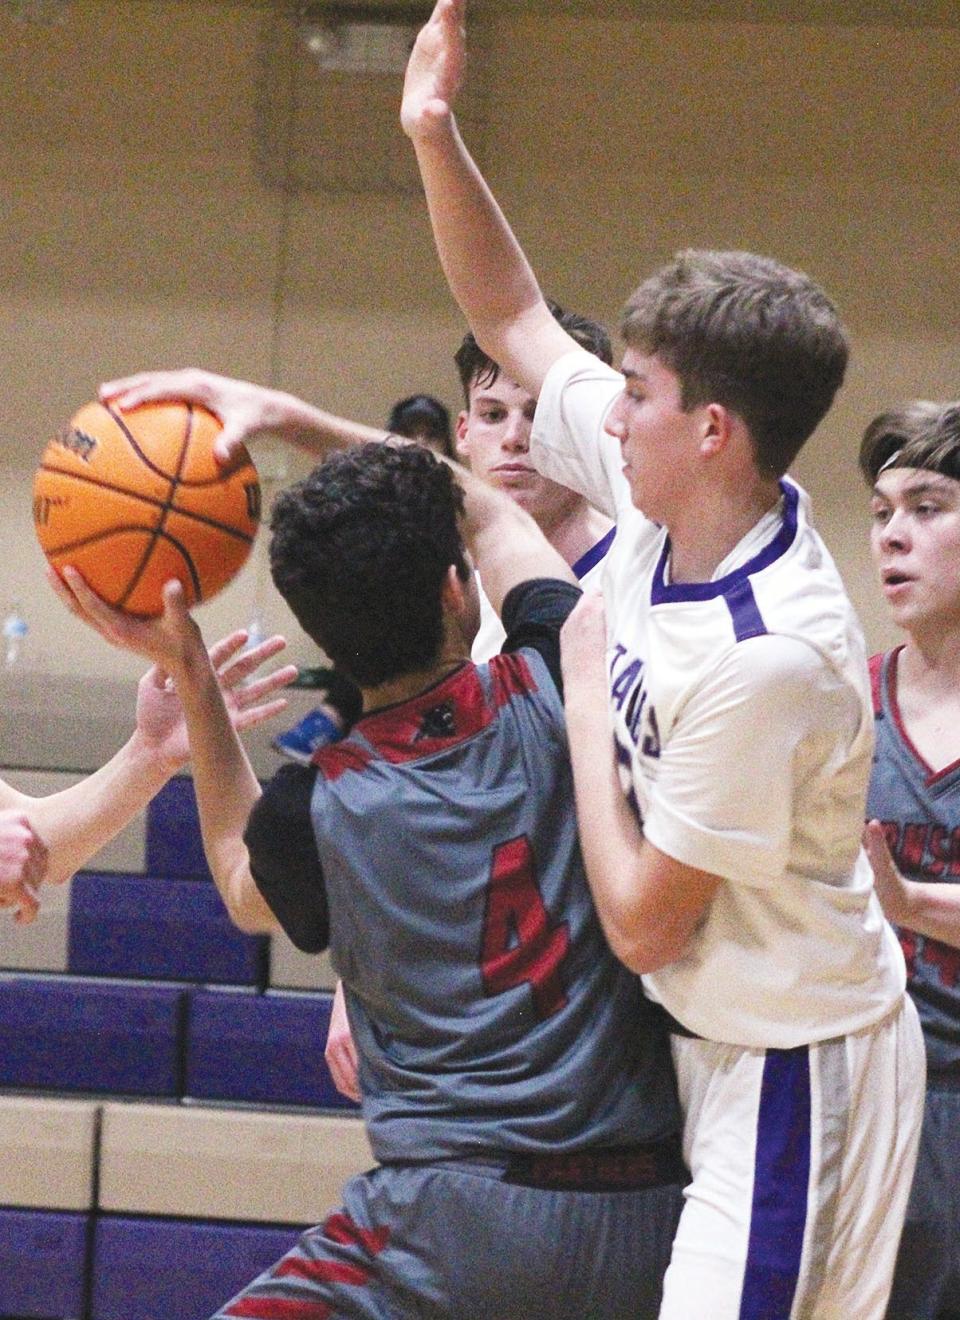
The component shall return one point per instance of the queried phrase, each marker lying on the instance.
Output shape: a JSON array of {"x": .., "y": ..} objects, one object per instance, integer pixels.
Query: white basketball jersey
[
  {"x": 743, "y": 732},
  {"x": 490, "y": 637}
]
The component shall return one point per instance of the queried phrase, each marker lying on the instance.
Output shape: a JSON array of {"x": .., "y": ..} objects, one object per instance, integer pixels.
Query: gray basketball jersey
[
  {"x": 487, "y": 1010},
  {"x": 920, "y": 811}
]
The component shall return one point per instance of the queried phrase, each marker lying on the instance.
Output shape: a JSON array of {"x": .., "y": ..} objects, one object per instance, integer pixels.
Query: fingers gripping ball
[{"x": 133, "y": 499}]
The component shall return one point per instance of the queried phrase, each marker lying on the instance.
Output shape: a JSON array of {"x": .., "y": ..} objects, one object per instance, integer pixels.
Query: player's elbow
[
  {"x": 245, "y": 905},
  {"x": 646, "y": 947}
]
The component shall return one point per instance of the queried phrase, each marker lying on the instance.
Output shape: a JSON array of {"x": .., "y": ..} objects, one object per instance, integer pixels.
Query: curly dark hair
[
  {"x": 475, "y": 367},
  {"x": 747, "y": 332},
  {"x": 359, "y": 551}
]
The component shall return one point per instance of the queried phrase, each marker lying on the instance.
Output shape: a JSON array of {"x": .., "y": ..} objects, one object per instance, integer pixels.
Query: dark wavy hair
[
  {"x": 359, "y": 551},
  {"x": 749, "y": 333},
  {"x": 918, "y": 434},
  {"x": 474, "y": 367}
]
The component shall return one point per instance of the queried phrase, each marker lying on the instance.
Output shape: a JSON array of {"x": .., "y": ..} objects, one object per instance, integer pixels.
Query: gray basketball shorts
[
  {"x": 472, "y": 1240},
  {"x": 926, "y": 1282}
]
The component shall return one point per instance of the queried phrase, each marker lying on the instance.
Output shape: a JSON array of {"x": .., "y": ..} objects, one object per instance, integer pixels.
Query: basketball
[{"x": 133, "y": 499}]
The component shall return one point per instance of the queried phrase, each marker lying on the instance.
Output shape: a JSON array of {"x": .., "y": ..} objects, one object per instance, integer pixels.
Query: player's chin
[{"x": 525, "y": 492}]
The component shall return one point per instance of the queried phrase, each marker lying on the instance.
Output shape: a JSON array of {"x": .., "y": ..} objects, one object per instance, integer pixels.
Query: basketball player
[
  {"x": 910, "y": 457},
  {"x": 523, "y": 1115},
  {"x": 425, "y": 419},
  {"x": 492, "y": 435},
  {"x": 721, "y": 828},
  {"x": 49, "y": 838}
]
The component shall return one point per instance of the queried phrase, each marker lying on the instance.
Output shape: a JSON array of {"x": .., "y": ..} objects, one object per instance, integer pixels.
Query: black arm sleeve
[
  {"x": 533, "y": 614},
  {"x": 284, "y": 861}
]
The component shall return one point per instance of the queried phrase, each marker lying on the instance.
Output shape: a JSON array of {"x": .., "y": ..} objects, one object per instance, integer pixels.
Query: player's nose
[
  {"x": 614, "y": 424},
  {"x": 517, "y": 435},
  {"x": 895, "y": 531}
]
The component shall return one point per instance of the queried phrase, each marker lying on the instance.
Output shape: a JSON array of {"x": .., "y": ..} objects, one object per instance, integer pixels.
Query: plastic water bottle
[
  {"x": 14, "y": 632},
  {"x": 256, "y": 631}
]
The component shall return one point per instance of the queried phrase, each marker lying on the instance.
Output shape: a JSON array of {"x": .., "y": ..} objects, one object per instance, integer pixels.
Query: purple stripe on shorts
[{"x": 781, "y": 1176}]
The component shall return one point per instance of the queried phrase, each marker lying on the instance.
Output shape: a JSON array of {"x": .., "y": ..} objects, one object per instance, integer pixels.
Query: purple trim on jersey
[
  {"x": 590, "y": 558},
  {"x": 781, "y": 1176},
  {"x": 742, "y": 604},
  {"x": 663, "y": 592}
]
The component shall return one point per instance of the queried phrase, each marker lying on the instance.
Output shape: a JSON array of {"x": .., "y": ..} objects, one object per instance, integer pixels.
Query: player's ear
[
  {"x": 716, "y": 429},
  {"x": 453, "y": 591},
  {"x": 462, "y": 444}
]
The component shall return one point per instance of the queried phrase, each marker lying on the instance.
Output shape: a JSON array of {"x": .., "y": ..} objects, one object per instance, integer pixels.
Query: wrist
[
  {"x": 152, "y": 764},
  {"x": 432, "y": 126}
]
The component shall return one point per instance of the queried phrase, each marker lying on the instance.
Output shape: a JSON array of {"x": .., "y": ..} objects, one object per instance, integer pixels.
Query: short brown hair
[
  {"x": 918, "y": 434},
  {"x": 749, "y": 333}
]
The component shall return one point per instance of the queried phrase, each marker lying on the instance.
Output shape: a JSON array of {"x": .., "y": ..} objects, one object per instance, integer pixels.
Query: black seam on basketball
[
  {"x": 159, "y": 529},
  {"x": 152, "y": 501},
  {"x": 159, "y": 535},
  {"x": 68, "y": 547},
  {"x": 131, "y": 440}
]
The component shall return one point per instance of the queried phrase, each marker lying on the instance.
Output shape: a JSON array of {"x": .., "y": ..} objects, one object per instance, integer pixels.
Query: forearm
[
  {"x": 610, "y": 838},
  {"x": 226, "y": 789},
  {"x": 77, "y": 822},
  {"x": 649, "y": 904},
  {"x": 929, "y": 909},
  {"x": 488, "y": 273},
  {"x": 311, "y": 429}
]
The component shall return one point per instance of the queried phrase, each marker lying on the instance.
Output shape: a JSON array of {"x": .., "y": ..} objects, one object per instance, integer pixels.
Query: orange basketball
[{"x": 133, "y": 499}]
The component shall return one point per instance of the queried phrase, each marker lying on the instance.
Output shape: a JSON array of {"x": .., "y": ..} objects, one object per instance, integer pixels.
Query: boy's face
[
  {"x": 915, "y": 541},
  {"x": 658, "y": 439},
  {"x": 493, "y": 436}
]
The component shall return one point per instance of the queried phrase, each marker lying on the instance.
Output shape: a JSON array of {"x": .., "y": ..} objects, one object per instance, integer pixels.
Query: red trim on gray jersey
[
  {"x": 932, "y": 776},
  {"x": 876, "y": 682},
  {"x": 443, "y": 716}
]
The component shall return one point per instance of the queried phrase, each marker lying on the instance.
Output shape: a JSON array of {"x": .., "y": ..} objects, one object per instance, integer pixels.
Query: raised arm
[
  {"x": 484, "y": 264},
  {"x": 201, "y": 686},
  {"x": 245, "y": 409}
]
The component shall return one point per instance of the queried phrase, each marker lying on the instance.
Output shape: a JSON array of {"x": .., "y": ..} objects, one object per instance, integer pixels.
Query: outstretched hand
[
  {"x": 435, "y": 69},
  {"x": 169, "y": 642},
  {"x": 242, "y": 407},
  {"x": 341, "y": 1051}
]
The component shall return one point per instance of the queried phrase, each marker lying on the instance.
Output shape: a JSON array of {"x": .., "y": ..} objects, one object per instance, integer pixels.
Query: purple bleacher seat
[
  {"x": 159, "y": 929},
  {"x": 174, "y": 843},
  {"x": 70, "y": 1034},
  {"x": 43, "y": 1259},
  {"x": 145, "y": 1269},
  {"x": 267, "y": 1049}
]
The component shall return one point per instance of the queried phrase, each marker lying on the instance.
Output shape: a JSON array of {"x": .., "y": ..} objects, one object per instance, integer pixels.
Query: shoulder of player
[
  {"x": 790, "y": 666},
  {"x": 286, "y": 795}
]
